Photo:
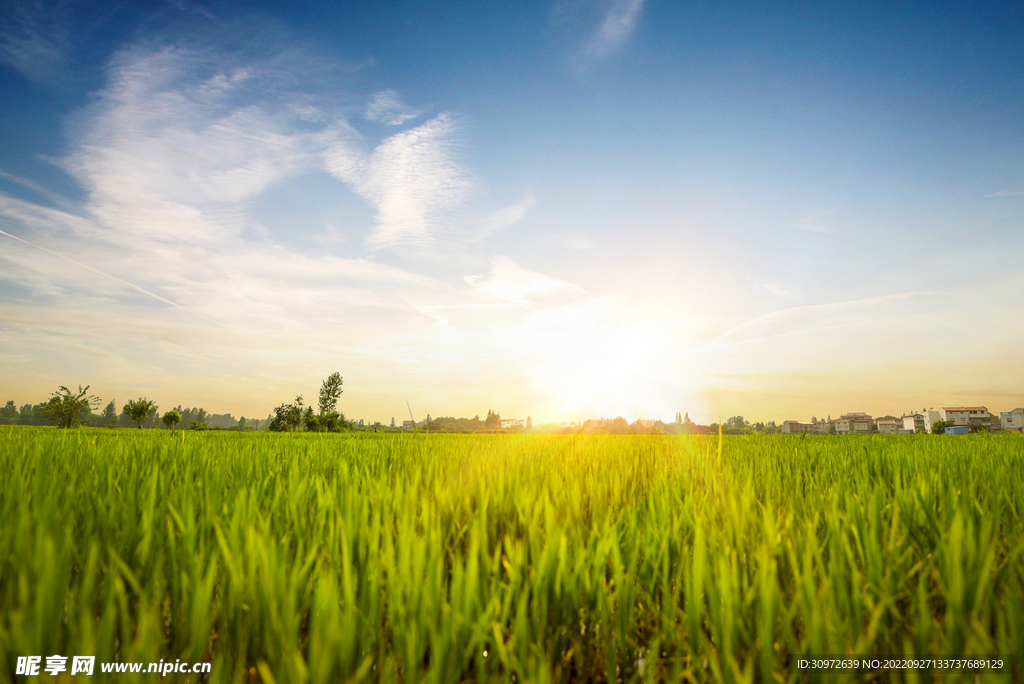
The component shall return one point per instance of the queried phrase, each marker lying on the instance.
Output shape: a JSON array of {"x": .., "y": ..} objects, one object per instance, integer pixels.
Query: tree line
[{"x": 68, "y": 408}]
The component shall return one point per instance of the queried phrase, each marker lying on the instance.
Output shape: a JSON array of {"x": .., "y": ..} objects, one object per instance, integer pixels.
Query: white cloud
[
  {"x": 412, "y": 178},
  {"x": 135, "y": 287},
  {"x": 387, "y": 107},
  {"x": 1005, "y": 193},
  {"x": 174, "y": 144},
  {"x": 801, "y": 319},
  {"x": 502, "y": 218},
  {"x": 35, "y": 39},
  {"x": 576, "y": 241},
  {"x": 510, "y": 282},
  {"x": 776, "y": 289},
  {"x": 617, "y": 26},
  {"x": 817, "y": 222}
]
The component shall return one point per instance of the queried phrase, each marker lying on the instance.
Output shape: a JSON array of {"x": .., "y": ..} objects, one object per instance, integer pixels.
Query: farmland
[{"x": 446, "y": 558}]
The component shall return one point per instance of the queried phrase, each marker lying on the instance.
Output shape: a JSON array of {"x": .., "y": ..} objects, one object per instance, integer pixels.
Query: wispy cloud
[
  {"x": 387, "y": 107},
  {"x": 412, "y": 178},
  {"x": 616, "y": 27},
  {"x": 175, "y": 155},
  {"x": 576, "y": 241},
  {"x": 817, "y": 222},
  {"x": 801, "y": 319},
  {"x": 1005, "y": 193},
  {"x": 510, "y": 282},
  {"x": 598, "y": 28},
  {"x": 776, "y": 289},
  {"x": 501, "y": 219},
  {"x": 177, "y": 141},
  {"x": 35, "y": 38},
  {"x": 53, "y": 197}
]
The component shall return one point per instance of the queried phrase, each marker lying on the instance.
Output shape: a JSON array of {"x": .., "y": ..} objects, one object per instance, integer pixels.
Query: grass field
[{"x": 447, "y": 558}]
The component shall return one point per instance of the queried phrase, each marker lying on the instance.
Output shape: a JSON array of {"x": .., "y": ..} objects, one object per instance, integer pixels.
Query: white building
[
  {"x": 914, "y": 422},
  {"x": 930, "y": 416},
  {"x": 965, "y": 415},
  {"x": 1012, "y": 420}
]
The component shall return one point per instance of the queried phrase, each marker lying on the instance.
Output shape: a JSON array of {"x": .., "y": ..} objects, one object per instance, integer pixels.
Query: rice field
[{"x": 454, "y": 558}]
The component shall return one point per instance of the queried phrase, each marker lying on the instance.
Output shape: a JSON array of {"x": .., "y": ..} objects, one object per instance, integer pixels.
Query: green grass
[{"x": 447, "y": 558}]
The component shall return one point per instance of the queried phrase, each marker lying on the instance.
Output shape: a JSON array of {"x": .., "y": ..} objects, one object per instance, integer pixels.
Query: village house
[
  {"x": 965, "y": 415},
  {"x": 889, "y": 426},
  {"x": 1012, "y": 420},
  {"x": 854, "y": 423},
  {"x": 914, "y": 422}
]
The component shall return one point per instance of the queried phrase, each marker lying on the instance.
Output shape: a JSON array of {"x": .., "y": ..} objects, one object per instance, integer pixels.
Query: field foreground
[{"x": 447, "y": 558}]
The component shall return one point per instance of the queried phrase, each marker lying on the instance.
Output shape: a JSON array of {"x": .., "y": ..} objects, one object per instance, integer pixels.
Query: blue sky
[{"x": 560, "y": 209}]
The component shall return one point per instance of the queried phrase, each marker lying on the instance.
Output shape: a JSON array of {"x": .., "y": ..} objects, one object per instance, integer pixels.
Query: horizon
[{"x": 580, "y": 209}]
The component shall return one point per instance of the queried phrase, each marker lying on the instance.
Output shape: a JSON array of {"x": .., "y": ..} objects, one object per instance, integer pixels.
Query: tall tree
[
  {"x": 330, "y": 391},
  {"x": 109, "y": 416},
  {"x": 66, "y": 407}
]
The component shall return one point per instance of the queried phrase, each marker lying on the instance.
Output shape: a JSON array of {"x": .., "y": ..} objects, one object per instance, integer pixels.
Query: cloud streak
[
  {"x": 413, "y": 179},
  {"x": 801, "y": 319},
  {"x": 386, "y": 107},
  {"x": 617, "y": 26},
  {"x": 510, "y": 282},
  {"x": 35, "y": 40}
]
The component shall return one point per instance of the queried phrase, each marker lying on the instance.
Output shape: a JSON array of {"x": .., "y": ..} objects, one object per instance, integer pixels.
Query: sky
[{"x": 563, "y": 209}]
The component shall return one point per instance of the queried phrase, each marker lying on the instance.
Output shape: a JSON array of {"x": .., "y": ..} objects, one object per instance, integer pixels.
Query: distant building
[
  {"x": 854, "y": 423},
  {"x": 1012, "y": 420},
  {"x": 965, "y": 415},
  {"x": 792, "y": 427},
  {"x": 931, "y": 416},
  {"x": 914, "y": 422},
  {"x": 408, "y": 426},
  {"x": 889, "y": 426},
  {"x": 507, "y": 423},
  {"x": 819, "y": 427},
  {"x": 796, "y": 427}
]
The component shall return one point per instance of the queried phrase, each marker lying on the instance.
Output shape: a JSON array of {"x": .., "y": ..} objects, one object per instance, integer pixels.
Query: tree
[
  {"x": 171, "y": 419},
  {"x": 493, "y": 421},
  {"x": 139, "y": 409},
  {"x": 65, "y": 407},
  {"x": 529, "y": 424},
  {"x": 311, "y": 420},
  {"x": 392, "y": 419},
  {"x": 287, "y": 416},
  {"x": 9, "y": 414},
  {"x": 330, "y": 391},
  {"x": 109, "y": 416},
  {"x": 736, "y": 422}
]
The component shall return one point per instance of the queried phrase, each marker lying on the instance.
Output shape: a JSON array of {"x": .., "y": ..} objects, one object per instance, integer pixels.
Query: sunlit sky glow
[{"x": 565, "y": 209}]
